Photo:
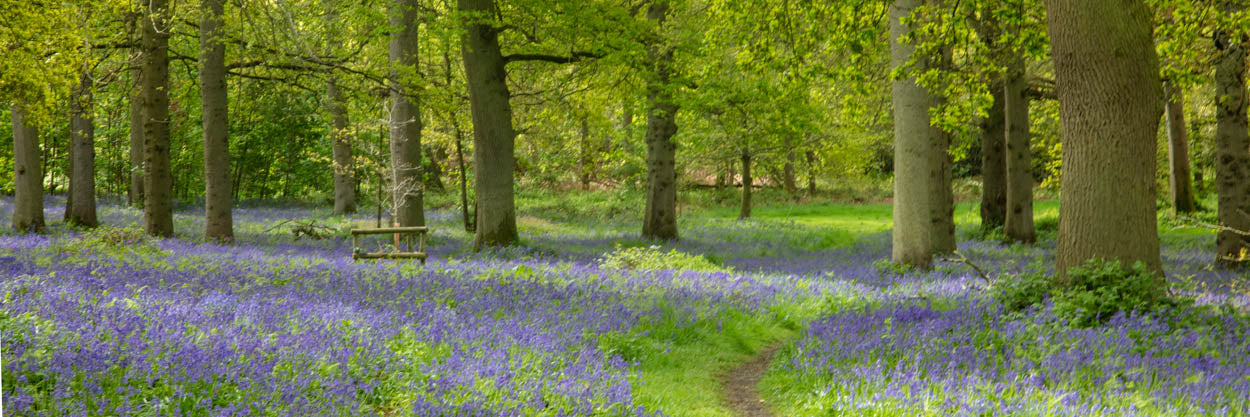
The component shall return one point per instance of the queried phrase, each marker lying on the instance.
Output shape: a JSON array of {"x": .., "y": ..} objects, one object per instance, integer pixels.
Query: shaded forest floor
[{"x": 586, "y": 319}]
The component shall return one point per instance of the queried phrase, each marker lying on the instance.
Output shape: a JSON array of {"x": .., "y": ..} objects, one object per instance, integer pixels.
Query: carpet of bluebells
[{"x": 109, "y": 322}]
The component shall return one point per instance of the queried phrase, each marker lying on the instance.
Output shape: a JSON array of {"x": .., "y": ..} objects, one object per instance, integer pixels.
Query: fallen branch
[{"x": 956, "y": 256}]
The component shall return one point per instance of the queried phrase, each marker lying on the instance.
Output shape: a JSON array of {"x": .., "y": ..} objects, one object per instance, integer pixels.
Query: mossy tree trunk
[
  {"x": 1019, "y": 221},
  {"x": 1180, "y": 188},
  {"x": 27, "y": 174},
  {"x": 82, "y": 211},
  {"x": 1232, "y": 147},
  {"x": 660, "y": 219}
]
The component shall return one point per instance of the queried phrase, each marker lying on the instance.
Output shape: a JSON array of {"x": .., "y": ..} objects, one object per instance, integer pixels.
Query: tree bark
[
  {"x": 1107, "y": 79},
  {"x": 344, "y": 164},
  {"x": 1181, "y": 190},
  {"x": 493, "y": 135},
  {"x": 81, "y": 209},
  {"x": 1232, "y": 149},
  {"x": 1019, "y": 225},
  {"x": 214, "y": 99},
  {"x": 787, "y": 170},
  {"x": 811, "y": 173},
  {"x": 158, "y": 213},
  {"x": 406, "y": 182},
  {"x": 135, "y": 193},
  {"x": 587, "y": 155},
  {"x": 994, "y": 161},
  {"x": 744, "y": 212},
  {"x": 923, "y": 217},
  {"x": 27, "y": 175},
  {"x": 660, "y": 218}
]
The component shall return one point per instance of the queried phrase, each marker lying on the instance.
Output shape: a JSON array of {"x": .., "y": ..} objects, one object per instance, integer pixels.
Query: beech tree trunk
[
  {"x": 81, "y": 209},
  {"x": 660, "y": 218},
  {"x": 407, "y": 186},
  {"x": 1107, "y": 79},
  {"x": 214, "y": 99},
  {"x": 1019, "y": 225},
  {"x": 787, "y": 170},
  {"x": 744, "y": 212},
  {"x": 344, "y": 164},
  {"x": 923, "y": 216},
  {"x": 135, "y": 192},
  {"x": 1179, "y": 185},
  {"x": 994, "y": 160},
  {"x": 1232, "y": 150},
  {"x": 158, "y": 207},
  {"x": 493, "y": 136},
  {"x": 27, "y": 175}
]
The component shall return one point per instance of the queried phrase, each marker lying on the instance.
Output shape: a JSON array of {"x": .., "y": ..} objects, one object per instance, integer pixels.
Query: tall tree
[
  {"x": 1110, "y": 101},
  {"x": 82, "y": 210},
  {"x": 27, "y": 175},
  {"x": 218, "y": 221},
  {"x": 660, "y": 219},
  {"x": 158, "y": 207},
  {"x": 493, "y": 134},
  {"x": 405, "y": 114},
  {"x": 344, "y": 164},
  {"x": 923, "y": 224},
  {"x": 135, "y": 191},
  {"x": 994, "y": 160},
  {"x": 1180, "y": 188},
  {"x": 1232, "y": 145},
  {"x": 1019, "y": 221}
]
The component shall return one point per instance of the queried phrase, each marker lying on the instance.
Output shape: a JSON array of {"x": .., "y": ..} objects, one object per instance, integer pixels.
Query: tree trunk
[
  {"x": 660, "y": 219},
  {"x": 1179, "y": 186},
  {"x": 994, "y": 161},
  {"x": 81, "y": 210},
  {"x": 1019, "y": 226},
  {"x": 1107, "y": 79},
  {"x": 747, "y": 182},
  {"x": 493, "y": 136},
  {"x": 811, "y": 173},
  {"x": 407, "y": 186},
  {"x": 587, "y": 155},
  {"x": 787, "y": 170},
  {"x": 218, "y": 220},
  {"x": 431, "y": 168},
  {"x": 158, "y": 208},
  {"x": 1232, "y": 148},
  {"x": 344, "y": 164},
  {"x": 27, "y": 175},
  {"x": 923, "y": 224}
]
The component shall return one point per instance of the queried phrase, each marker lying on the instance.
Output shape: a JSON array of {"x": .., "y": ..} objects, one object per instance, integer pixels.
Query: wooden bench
[{"x": 402, "y": 234}]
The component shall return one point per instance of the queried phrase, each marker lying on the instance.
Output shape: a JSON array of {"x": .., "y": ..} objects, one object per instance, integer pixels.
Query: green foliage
[
  {"x": 652, "y": 258},
  {"x": 1021, "y": 291},
  {"x": 1099, "y": 289}
]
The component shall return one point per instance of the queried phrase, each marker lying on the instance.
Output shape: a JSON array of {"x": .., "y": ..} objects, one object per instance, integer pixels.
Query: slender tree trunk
[
  {"x": 406, "y": 182},
  {"x": 811, "y": 173},
  {"x": 493, "y": 136},
  {"x": 744, "y": 212},
  {"x": 27, "y": 175},
  {"x": 218, "y": 219},
  {"x": 158, "y": 208},
  {"x": 587, "y": 155},
  {"x": 1019, "y": 226},
  {"x": 923, "y": 224},
  {"x": 1107, "y": 78},
  {"x": 81, "y": 210},
  {"x": 787, "y": 170},
  {"x": 1232, "y": 149},
  {"x": 135, "y": 192},
  {"x": 1180, "y": 188},
  {"x": 660, "y": 219},
  {"x": 460, "y": 166},
  {"x": 994, "y": 161}
]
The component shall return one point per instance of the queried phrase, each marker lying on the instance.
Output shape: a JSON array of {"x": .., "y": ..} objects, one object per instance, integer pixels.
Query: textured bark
[
  {"x": 407, "y": 186},
  {"x": 1180, "y": 189},
  {"x": 81, "y": 210},
  {"x": 158, "y": 207},
  {"x": 344, "y": 165},
  {"x": 994, "y": 161},
  {"x": 923, "y": 201},
  {"x": 494, "y": 139},
  {"x": 660, "y": 218},
  {"x": 218, "y": 220},
  {"x": 1107, "y": 79},
  {"x": 787, "y": 170},
  {"x": 135, "y": 192},
  {"x": 27, "y": 175},
  {"x": 1232, "y": 150},
  {"x": 744, "y": 212},
  {"x": 1019, "y": 225}
]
